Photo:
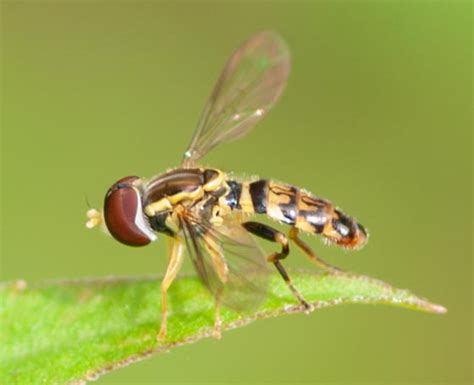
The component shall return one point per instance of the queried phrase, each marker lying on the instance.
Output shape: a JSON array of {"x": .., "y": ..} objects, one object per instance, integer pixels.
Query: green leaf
[{"x": 71, "y": 331}]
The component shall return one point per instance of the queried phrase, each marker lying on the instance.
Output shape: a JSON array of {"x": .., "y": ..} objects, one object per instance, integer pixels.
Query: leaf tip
[{"x": 438, "y": 309}]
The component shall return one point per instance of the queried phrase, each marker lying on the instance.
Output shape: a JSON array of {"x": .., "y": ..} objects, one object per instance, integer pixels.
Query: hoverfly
[{"x": 204, "y": 210}]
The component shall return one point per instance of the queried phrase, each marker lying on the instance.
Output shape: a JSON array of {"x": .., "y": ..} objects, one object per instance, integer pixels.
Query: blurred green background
[{"x": 376, "y": 117}]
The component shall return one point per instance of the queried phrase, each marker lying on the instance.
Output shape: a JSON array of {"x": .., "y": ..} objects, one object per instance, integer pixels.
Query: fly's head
[{"x": 123, "y": 213}]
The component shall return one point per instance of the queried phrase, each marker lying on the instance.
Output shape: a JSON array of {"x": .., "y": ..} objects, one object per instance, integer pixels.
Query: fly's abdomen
[{"x": 295, "y": 207}]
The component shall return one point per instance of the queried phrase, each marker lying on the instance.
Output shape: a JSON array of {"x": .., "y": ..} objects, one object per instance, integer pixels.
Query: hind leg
[
  {"x": 266, "y": 232},
  {"x": 293, "y": 234}
]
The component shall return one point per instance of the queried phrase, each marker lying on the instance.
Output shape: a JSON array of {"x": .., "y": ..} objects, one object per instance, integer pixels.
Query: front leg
[{"x": 174, "y": 265}]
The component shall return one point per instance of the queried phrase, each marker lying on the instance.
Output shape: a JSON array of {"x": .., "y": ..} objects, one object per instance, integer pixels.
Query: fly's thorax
[{"x": 181, "y": 188}]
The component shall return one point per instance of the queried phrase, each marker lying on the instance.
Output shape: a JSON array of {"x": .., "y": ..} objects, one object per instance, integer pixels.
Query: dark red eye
[{"x": 124, "y": 216}]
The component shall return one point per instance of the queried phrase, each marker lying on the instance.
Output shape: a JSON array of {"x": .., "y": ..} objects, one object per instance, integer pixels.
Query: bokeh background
[{"x": 376, "y": 117}]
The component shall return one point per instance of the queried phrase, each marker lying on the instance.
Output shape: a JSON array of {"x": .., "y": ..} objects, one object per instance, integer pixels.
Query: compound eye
[{"x": 124, "y": 216}]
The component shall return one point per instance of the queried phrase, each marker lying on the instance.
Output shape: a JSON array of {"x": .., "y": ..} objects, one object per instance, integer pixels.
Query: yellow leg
[
  {"x": 174, "y": 264},
  {"x": 222, "y": 270},
  {"x": 170, "y": 242},
  {"x": 218, "y": 261},
  {"x": 216, "y": 332},
  {"x": 310, "y": 253}
]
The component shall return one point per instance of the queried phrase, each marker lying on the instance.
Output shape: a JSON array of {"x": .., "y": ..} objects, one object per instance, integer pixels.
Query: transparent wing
[
  {"x": 249, "y": 86},
  {"x": 228, "y": 260}
]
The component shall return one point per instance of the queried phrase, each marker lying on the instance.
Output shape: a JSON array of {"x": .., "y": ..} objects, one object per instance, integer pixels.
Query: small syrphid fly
[{"x": 206, "y": 211}]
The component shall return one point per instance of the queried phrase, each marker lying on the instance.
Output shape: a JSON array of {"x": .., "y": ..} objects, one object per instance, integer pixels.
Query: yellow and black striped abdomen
[{"x": 295, "y": 207}]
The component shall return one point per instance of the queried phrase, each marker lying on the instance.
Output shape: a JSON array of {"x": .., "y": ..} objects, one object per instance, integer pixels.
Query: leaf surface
[{"x": 68, "y": 332}]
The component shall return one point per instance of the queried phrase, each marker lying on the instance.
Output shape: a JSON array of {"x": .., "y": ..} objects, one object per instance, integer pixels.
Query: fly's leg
[
  {"x": 293, "y": 234},
  {"x": 266, "y": 232},
  {"x": 174, "y": 264},
  {"x": 216, "y": 331},
  {"x": 220, "y": 266}
]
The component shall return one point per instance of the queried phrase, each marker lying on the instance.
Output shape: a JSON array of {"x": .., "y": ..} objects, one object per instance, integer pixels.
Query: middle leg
[
  {"x": 266, "y": 232},
  {"x": 222, "y": 271}
]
